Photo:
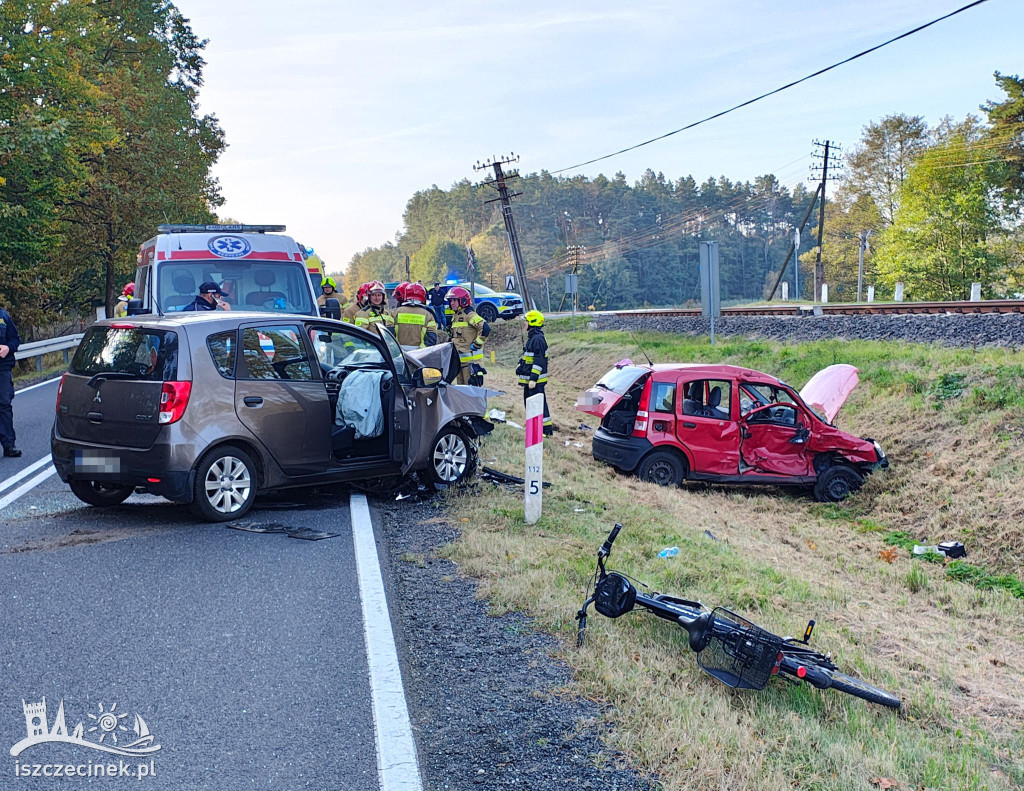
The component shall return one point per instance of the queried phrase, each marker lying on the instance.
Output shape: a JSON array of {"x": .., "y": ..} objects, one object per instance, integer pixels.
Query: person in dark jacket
[
  {"x": 9, "y": 343},
  {"x": 435, "y": 298},
  {"x": 209, "y": 298},
  {"x": 533, "y": 365}
]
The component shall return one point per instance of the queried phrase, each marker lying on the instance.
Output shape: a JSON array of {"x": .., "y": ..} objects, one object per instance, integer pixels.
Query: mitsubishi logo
[{"x": 96, "y": 398}]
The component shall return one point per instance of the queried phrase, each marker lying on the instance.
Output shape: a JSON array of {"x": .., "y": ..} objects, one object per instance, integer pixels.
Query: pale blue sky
[{"x": 336, "y": 112}]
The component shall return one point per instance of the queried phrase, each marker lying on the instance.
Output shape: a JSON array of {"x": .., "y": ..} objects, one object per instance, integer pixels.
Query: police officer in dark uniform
[
  {"x": 209, "y": 298},
  {"x": 9, "y": 343}
]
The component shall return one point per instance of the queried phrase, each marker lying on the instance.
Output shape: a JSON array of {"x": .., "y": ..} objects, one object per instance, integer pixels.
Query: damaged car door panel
[
  {"x": 213, "y": 408},
  {"x": 727, "y": 424}
]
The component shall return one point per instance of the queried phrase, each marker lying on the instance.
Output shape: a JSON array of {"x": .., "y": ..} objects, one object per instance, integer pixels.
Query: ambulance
[{"x": 256, "y": 267}]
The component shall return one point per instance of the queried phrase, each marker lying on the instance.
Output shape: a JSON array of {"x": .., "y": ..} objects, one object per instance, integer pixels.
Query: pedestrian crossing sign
[{"x": 510, "y": 282}]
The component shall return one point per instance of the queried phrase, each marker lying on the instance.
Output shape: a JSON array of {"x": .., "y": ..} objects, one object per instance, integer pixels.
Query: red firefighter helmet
[
  {"x": 460, "y": 294},
  {"x": 362, "y": 294},
  {"x": 129, "y": 289},
  {"x": 416, "y": 292},
  {"x": 401, "y": 291},
  {"x": 376, "y": 287}
]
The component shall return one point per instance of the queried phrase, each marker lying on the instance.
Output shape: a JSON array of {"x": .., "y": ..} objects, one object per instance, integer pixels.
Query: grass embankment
[{"x": 951, "y": 421}]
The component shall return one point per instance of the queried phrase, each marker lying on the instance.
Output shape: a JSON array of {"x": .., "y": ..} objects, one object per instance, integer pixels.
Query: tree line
[
  {"x": 100, "y": 141},
  {"x": 942, "y": 205}
]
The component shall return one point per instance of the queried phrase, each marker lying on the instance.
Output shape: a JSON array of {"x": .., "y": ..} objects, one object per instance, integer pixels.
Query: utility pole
[
  {"x": 830, "y": 159},
  {"x": 407, "y": 268},
  {"x": 862, "y": 237},
  {"x": 471, "y": 266},
  {"x": 794, "y": 251},
  {"x": 547, "y": 287},
  {"x": 498, "y": 182},
  {"x": 576, "y": 251}
]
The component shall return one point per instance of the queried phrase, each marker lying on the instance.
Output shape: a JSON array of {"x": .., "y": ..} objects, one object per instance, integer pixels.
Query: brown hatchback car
[{"x": 211, "y": 408}]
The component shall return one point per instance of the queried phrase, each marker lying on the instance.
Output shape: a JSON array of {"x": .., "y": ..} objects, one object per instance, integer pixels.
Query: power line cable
[{"x": 917, "y": 29}]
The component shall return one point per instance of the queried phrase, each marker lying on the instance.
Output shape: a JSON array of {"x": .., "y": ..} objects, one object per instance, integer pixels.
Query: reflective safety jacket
[
  {"x": 348, "y": 313},
  {"x": 374, "y": 314},
  {"x": 415, "y": 325},
  {"x": 469, "y": 329},
  {"x": 533, "y": 365},
  {"x": 322, "y": 300}
]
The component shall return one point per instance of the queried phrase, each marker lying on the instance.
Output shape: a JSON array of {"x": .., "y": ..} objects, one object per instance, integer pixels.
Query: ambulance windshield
[{"x": 264, "y": 286}]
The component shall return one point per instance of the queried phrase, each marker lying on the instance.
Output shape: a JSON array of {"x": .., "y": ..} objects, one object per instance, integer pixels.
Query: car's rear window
[
  {"x": 619, "y": 380},
  {"x": 148, "y": 355}
]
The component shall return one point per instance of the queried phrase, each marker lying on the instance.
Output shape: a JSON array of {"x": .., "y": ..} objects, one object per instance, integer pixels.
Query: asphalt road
[{"x": 243, "y": 652}]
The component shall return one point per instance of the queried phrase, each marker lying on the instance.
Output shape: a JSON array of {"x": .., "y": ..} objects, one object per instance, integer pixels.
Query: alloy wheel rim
[
  {"x": 228, "y": 485},
  {"x": 450, "y": 457}
]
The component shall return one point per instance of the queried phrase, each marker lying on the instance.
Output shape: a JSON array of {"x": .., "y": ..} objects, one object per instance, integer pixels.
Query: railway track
[{"x": 871, "y": 308}]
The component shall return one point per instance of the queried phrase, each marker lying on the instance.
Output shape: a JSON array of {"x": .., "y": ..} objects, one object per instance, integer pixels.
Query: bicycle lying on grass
[{"x": 728, "y": 646}]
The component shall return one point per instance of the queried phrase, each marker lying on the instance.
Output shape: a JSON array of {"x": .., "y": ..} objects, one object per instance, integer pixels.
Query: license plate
[{"x": 93, "y": 462}]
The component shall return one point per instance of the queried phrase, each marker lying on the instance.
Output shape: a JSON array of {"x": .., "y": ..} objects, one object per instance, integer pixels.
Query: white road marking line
[
  {"x": 26, "y": 487},
  {"x": 397, "y": 765},
  {"x": 7, "y": 484},
  {"x": 38, "y": 384}
]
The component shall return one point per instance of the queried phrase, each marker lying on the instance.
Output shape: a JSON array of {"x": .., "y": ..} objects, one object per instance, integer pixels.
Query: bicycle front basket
[{"x": 739, "y": 653}]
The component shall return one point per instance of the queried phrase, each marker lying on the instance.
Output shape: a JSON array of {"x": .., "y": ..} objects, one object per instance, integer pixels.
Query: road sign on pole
[
  {"x": 534, "y": 487},
  {"x": 710, "y": 292},
  {"x": 510, "y": 282}
]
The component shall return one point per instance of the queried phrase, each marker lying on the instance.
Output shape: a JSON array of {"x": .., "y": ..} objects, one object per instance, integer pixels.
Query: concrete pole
[{"x": 534, "y": 487}]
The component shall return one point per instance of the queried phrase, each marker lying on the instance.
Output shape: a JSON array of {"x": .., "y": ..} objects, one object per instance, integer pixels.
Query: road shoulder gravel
[{"x": 491, "y": 708}]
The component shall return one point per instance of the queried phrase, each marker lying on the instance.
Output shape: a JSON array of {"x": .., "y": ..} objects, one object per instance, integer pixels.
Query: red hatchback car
[{"x": 725, "y": 424}]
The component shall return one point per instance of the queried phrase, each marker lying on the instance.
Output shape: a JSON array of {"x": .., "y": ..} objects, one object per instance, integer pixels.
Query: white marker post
[{"x": 532, "y": 492}]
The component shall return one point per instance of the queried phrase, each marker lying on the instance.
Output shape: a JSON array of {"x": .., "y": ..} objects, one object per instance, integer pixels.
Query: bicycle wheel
[{"x": 862, "y": 689}]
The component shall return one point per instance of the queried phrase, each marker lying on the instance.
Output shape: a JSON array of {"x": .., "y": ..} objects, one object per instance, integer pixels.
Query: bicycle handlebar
[{"x": 606, "y": 547}]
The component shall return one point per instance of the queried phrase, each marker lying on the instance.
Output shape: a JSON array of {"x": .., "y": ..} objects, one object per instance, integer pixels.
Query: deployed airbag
[{"x": 359, "y": 403}]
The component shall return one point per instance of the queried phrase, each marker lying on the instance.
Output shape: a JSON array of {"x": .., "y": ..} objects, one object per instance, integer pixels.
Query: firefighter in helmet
[
  {"x": 400, "y": 291},
  {"x": 330, "y": 291},
  {"x": 356, "y": 305},
  {"x": 533, "y": 365},
  {"x": 376, "y": 310},
  {"x": 415, "y": 325},
  {"x": 469, "y": 331},
  {"x": 127, "y": 294}
]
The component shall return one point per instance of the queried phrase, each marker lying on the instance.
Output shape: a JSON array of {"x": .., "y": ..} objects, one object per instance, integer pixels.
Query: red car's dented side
[{"x": 727, "y": 424}]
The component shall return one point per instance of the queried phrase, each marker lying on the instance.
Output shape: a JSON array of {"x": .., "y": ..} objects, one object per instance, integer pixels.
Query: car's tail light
[
  {"x": 173, "y": 400},
  {"x": 60, "y": 389},
  {"x": 122, "y": 326},
  {"x": 640, "y": 424}
]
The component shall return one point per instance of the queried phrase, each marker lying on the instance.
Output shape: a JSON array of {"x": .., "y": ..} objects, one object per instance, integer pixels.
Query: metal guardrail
[{"x": 38, "y": 348}]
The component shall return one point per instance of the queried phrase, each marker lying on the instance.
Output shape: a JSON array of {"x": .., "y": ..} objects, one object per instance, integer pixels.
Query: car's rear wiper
[{"x": 97, "y": 378}]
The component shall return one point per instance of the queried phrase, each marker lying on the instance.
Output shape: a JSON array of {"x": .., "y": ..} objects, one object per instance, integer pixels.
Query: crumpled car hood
[
  {"x": 442, "y": 357},
  {"x": 828, "y": 389}
]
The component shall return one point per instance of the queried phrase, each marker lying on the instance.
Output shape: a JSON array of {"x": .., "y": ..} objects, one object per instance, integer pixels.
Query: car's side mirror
[
  {"x": 331, "y": 309},
  {"x": 430, "y": 376},
  {"x": 135, "y": 307},
  {"x": 801, "y": 435}
]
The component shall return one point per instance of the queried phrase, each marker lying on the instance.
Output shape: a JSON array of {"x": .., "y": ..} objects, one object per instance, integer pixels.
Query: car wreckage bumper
[{"x": 621, "y": 452}]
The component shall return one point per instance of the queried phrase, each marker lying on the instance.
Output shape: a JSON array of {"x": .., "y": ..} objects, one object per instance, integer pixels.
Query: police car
[{"x": 257, "y": 268}]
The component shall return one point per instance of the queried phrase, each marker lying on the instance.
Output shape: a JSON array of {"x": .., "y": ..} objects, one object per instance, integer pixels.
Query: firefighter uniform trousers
[
  {"x": 468, "y": 329},
  {"x": 533, "y": 367},
  {"x": 415, "y": 325}
]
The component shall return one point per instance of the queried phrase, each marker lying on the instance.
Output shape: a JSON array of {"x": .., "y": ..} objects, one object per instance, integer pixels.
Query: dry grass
[{"x": 952, "y": 652}]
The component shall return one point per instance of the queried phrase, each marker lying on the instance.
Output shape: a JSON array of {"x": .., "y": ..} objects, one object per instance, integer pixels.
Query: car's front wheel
[
  {"x": 99, "y": 493},
  {"x": 452, "y": 457},
  {"x": 836, "y": 484},
  {"x": 488, "y": 312},
  {"x": 225, "y": 486},
  {"x": 663, "y": 468}
]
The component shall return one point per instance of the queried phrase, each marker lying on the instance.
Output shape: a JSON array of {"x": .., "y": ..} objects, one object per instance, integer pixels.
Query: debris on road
[{"x": 496, "y": 476}]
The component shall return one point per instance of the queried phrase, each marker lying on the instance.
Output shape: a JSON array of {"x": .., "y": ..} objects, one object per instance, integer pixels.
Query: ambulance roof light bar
[{"x": 220, "y": 228}]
